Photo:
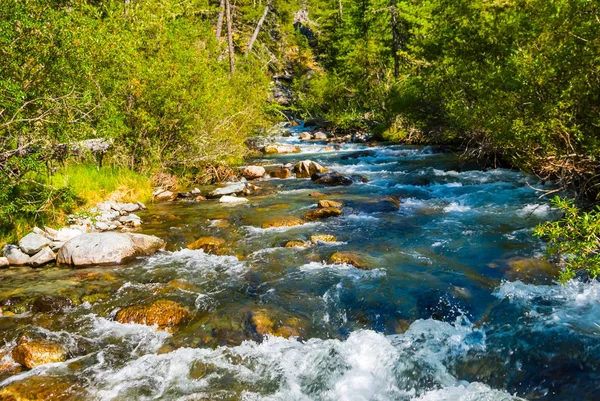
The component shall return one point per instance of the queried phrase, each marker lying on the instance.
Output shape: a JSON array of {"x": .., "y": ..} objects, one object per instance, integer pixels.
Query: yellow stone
[
  {"x": 163, "y": 313},
  {"x": 207, "y": 244},
  {"x": 319, "y": 214},
  {"x": 35, "y": 353},
  {"x": 322, "y": 238},
  {"x": 324, "y": 203},
  {"x": 283, "y": 221}
]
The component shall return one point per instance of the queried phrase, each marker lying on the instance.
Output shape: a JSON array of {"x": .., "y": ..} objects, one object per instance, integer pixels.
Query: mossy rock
[
  {"x": 207, "y": 244},
  {"x": 357, "y": 260},
  {"x": 43, "y": 388},
  {"x": 35, "y": 353},
  {"x": 319, "y": 214},
  {"x": 163, "y": 313},
  {"x": 283, "y": 221}
]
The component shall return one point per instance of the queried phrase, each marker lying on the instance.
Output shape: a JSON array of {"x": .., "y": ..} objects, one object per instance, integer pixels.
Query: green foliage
[{"x": 575, "y": 238}]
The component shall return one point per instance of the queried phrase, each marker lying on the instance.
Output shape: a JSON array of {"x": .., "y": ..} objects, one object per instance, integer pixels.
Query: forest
[{"x": 176, "y": 88}]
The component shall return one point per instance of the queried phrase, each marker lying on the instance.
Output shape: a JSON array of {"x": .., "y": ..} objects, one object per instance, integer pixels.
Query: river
[{"x": 454, "y": 307}]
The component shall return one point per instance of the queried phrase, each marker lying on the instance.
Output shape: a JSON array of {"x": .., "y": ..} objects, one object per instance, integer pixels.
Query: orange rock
[
  {"x": 324, "y": 213},
  {"x": 283, "y": 221},
  {"x": 163, "y": 313},
  {"x": 43, "y": 388},
  {"x": 262, "y": 323},
  {"x": 207, "y": 244},
  {"x": 357, "y": 260},
  {"x": 35, "y": 353},
  {"x": 324, "y": 203}
]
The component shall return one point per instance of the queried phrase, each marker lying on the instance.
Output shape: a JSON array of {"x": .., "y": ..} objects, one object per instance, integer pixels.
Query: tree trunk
[
  {"x": 341, "y": 9},
  {"x": 258, "y": 26},
  {"x": 220, "y": 20},
  {"x": 395, "y": 44},
  {"x": 230, "y": 37}
]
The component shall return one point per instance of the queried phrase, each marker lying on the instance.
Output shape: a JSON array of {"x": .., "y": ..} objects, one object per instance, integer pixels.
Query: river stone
[
  {"x": 280, "y": 172},
  {"x": 130, "y": 207},
  {"x": 101, "y": 226},
  {"x": 322, "y": 238},
  {"x": 43, "y": 388},
  {"x": 351, "y": 258},
  {"x": 281, "y": 149},
  {"x": 66, "y": 234},
  {"x": 332, "y": 179},
  {"x": 4, "y": 262},
  {"x": 35, "y": 353},
  {"x": 107, "y": 248},
  {"x": 51, "y": 304},
  {"x": 283, "y": 221},
  {"x": 232, "y": 199},
  {"x": 129, "y": 218},
  {"x": 305, "y": 136},
  {"x": 252, "y": 172},
  {"x": 324, "y": 203},
  {"x": 296, "y": 244},
  {"x": 42, "y": 257},
  {"x": 15, "y": 256},
  {"x": 323, "y": 213},
  {"x": 356, "y": 155},
  {"x": 228, "y": 190},
  {"x": 320, "y": 136},
  {"x": 162, "y": 313},
  {"x": 307, "y": 168},
  {"x": 32, "y": 243},
  {"x": 207, "y": 244},
  {"x": 165, "y": 196}
]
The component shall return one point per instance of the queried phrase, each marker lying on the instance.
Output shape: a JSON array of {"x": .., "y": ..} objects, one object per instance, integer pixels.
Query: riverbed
[{"x": 454, "y": 305}]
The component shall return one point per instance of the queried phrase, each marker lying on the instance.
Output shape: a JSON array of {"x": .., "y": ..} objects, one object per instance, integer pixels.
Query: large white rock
[
  {"x": 130, "y": 207},
  {"x": 32, "y": 243},
  {"x": 232, "y": 199},
  {"x": 281, "y": 149},
  {"x": 42, "y": 257},
  {"x": 67, "y": 234},
  {"x": 228, "y": 190},
  {"x": 252, "y": 172},
  {"x": 107, "y": 248},
  {"x": 15, "y": 256},
  {"x": 4, "y": 262}
]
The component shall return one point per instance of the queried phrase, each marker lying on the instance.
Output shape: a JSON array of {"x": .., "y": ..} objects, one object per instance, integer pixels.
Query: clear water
[{"x": 444, "y": 315}]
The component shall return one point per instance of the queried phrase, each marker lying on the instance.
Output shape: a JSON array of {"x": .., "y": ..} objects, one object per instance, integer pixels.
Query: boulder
[
  {"x": 324, "y": 203},
  {"x": 42, "y": 257},
  {"x": 331, "y": 179},
  {"x": 322, "y": 238},
  {"x": 107, "y": 248},
  {"x": 207, "y": 244},
  {"x": 4, "y": 262},
  {"x": 102, "y": 226},
  {"x": 162, "y": 313},
  {"x": 228, "y": 190},
  {"x": 305, "y": 136},
  {"x": 165, "y": 196},
  {"x": 51, "y": 304},
  {"x": 35, "y": 353},
  {"x": 283, "y": 221},
  {"x": 323, "y": 213},
  {"x": 32, "y": 243},
  {"x": 130, "y": 218},
  {"x": 66, "y": 234},
  {"x": 351, "y": 258},
  {"x": 320, "y": 136},
  {"x": 356, "y": 155},
  {"x": 281, "y": 149},
  {"x": 306, "y": 169},
  {"x": 281, "y": 172},
  {"x": 55, "y": 245},
  {"x": 46, "y": 388},
  {"x": 253, "y": 172},
  {"x": 232, "y": 199},
  {"x": 130, "y": 207},
  {"x": 15, "y": 256}
]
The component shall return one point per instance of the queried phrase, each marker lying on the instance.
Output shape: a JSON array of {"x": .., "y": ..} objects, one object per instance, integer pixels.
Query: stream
[{"x": 455, "y": 305}]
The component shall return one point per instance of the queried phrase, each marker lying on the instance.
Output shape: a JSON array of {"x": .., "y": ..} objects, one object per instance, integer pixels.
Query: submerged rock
[
  {"x": 357, "y": 260},
  {"x": 162, "y": 313},
  {"x": 281, "y": 172},
  {"x": 207, "y": 244},
  {"x": 228, "y": 190},
  {"x": 43, "y": 388},
  {"x": 331, "y": 179},
  {"x": 324, "y": 203},
  {"x": 324, "y": 213},
  {"x": 252, "y": 172},
  {"x": 296, "y": 244},
  {"x": 51, "y": 304},
  {"x": 15, "y": 256},
  {"x": 356, "y": 155},
  {"x": 107, "y": 248},
  {"x": 281, "y": 149},
  {"x": 32, "y": 243},
  {"x": 306, "y": 169},
  {"x": 283, "y": 221},
  {"x": 322, "y": 238},
  {"x": 35, "y": 353},
  {"x": 42, "y": 257}
]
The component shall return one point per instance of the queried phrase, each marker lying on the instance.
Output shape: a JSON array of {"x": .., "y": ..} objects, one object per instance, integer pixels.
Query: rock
[
  {"x": 283, "y": 221},
  {"x": 129, "y": 218},
  {"x": 281, "y": 149},
  {"x": 35, "y": 353},
  {"x": 207, "y": 244},
  {"x": 320, "y": 136},
  {"x": 281, "y": 172},
  {"x": 360, "y": 178},
  {"x": 322, "y": 238},
  {"x": 199, "y": 198},
  {"x": 532, "y": 270},
  {"x": 316, "y": 194},
  {"x": 296, "y": 244},
  {"x": 323, "y": 213},
  {"x": 357, "y": 260},
  {"x": 184, "y": 195},
  {"x": 4, "y": 262},
  {"x": 196, "y": 192},
  {"x": 43, "y": 388},
  {"x": 141, "y": 205},
  {"x": 305, "y": 136},
  {"x": 228, "y": 190},
  {"x": 329, "y": 148},
  {"x": 101, "y": 226},
  {"x": 15, "y": 256},
  {"x": 331, "y": 179},
  {"x": 162, "y": 313},
  {"x": 324, "y": 203},
  {"x": 307, "y": 168},
  {"x": 32, "y": 243},
  {"x": 42, "y": 257},
  {"x": 51, "y": 304},
  {"x": 262, "y": 323},
  {"x": 55, "y": 245},
  {"x": 130, "y": 207},
  {"x": 66, "y": 234},
  {"x": 232, "y": 199},
  {"x": 165, "y": 196},
  {"x": 107, "y": 248},
  {"x": 356, "y": 155}
]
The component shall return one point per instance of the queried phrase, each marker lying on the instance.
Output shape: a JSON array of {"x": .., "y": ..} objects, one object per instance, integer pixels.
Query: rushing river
[{"x": 455, "y": 307}]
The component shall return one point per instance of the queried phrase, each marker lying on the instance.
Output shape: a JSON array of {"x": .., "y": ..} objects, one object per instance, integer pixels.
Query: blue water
[{"x": 455, "y": 307}]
